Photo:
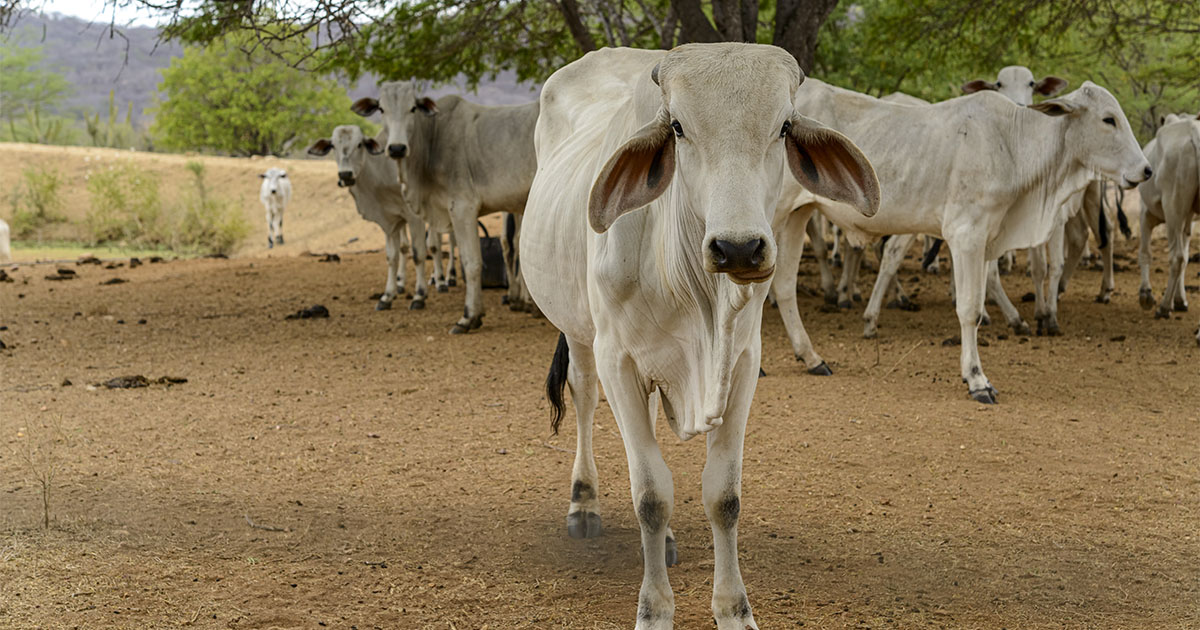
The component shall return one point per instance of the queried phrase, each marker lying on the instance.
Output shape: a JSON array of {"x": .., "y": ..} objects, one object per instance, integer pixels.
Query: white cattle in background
[
  {"x": 374, "y": 182},
  {"x": 459, "y": 161},
  {"x": 676, "y": 160},
  {"x": 1172, "y": 197},
  {"x": 275, "y": 192},
  {"x": 5, "y": 244},
  {"x": 980, "y": 172}
]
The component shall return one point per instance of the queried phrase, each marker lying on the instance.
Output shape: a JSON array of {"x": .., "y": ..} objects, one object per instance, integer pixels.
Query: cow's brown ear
[
  {"x": 638, "y": 173},
  {"x": 426, "y": 106},
  {"x": 1050, "y": 86},
  {"x": 372, "y": 146},
  {"x": 978, "y": 85},
  {"x": 1055, "y": 107},
  {"x": 320, "y": 147},
  {"x": 365, "y": 106},
  {"x": 831, "y": 165}
]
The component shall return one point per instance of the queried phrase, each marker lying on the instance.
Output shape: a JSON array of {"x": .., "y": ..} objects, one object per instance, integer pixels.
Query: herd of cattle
[{"x": 661, "y": 196}]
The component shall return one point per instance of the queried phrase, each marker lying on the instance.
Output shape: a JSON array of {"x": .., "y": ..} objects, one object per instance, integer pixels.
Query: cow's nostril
[
  {"x": 1148, "y": 172},
  {"x": 720, "y": 252},
  {"x": 759, "y": 254},
  {"x": 397, "y": 150}
]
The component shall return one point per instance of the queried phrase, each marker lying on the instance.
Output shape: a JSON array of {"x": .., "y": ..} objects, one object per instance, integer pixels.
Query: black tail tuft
[
  {"x": 556, "y": 380},
  {"x": 1103, "y": 236},
  {"x": 1122, "y": 220},
  {"x": 932, "y": 254}
]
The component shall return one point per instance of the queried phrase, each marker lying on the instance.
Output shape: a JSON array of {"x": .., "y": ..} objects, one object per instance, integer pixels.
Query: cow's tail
[
  {"x": 932, "y": 254},
  {"x": 1122, "y": 220},
  {"x": 556, "y": 380},
  {"x": 1103, "y": 236}
]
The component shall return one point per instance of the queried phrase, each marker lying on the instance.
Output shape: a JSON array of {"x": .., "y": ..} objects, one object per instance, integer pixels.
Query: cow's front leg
[
  {"x": 889, "y": 265},
  {"x": 583, "y": 516},
  {"x": 820, "y": 249},
  {"x": 650, "y": 484},
  {"x": 393, "y": 263},
  {"x": 970, "y": 276},
  {"x": 1054, "y": 256},
  {"x": 279, "y": 227},
  {"x": 416, "y": 230},
  {"x": 463, "y": 215},
  {"x": 1038, "y": 271},
  {"x": 1185, "y": 238},
  {"x": 1145, "y": 290},
  {"x": 722, "y": 491},
  {"x": 1175, "y": 264},
  {"x": 848, "y": 287},
  {"x": 453, "y": 271},
  {"x": 995, "y": 291},
  {"x": 434, "y": 245}
]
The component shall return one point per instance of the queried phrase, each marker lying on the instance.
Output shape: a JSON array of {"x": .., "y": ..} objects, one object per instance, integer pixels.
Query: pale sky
[{"x": 96, "y": 11}]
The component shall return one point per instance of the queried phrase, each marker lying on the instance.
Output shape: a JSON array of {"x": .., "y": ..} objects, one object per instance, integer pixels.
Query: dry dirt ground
[{"x": 370, "y": 471}]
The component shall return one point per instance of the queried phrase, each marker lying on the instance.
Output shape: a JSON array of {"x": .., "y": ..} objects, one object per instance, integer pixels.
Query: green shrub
[
  {"x": 125, "y": 207},
  {"x": 36, "y": 201}
]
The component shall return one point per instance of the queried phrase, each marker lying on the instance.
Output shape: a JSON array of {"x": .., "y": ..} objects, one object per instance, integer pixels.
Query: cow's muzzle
[
  {"x": 345, "y": 178},
  {"x": 397, "y": 151},
  {"x": 1131, "y": 182},
  {"x": 743, "y": 261}
]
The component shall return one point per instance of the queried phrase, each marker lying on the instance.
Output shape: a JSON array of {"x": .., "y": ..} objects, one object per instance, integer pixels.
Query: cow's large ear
[
  {"x": 320, "y": 147},
  {"x": 372, "y": 146},
  {"x": 1055, "y": 107},
  {"x": 978, "y": 85},
  {"x": 365, "y": 106},
  {"x": 831, "y": 165},
  {"x": 1050, "y": 86},
  {"x": 638, "y": 173},
  {"x": 426, "y": 106}
]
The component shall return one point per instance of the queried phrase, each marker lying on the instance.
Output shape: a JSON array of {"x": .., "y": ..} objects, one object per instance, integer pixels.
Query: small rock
[
  {"x": 156, "y": 259},
  {"x": 1001, "y": 337},
  {"x": 88, "y": 259},
  {"x": 141, "y": 321},
  {"x": 134, "y": 262},
  {"x": 331, "y": 258},
  {"x": 66, "y": 382},
  {"x": 1028, "y": 297},
  {"x": 61, "y": 276},
  {"x": 114, "y": 281},
  {"x": 127, "y": 382},
  {"x": 1118, "y": 338},
  {"x": 952, "y": 341},
  {"x": 2, "y": 346},
  {"x": 4, "y": 277},
  {"x": 66, "y": 271}
]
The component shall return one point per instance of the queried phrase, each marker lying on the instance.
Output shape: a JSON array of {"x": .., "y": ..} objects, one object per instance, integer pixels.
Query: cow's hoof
[
  {"x": 583, "y": 525},
  {"x": 443, "y": 288},
  {"x": 452, "y": 281},
  {"x": 1180, "y": 307},
  {"x": 279, "y": 241},
  {"x": 270, "y": 244},
  {"x": 761, "y": 372},
  {"x": 1022, "y": 328},
  {"x": 821, "y": 370},
  {"x": 1103, "y": 298},
  {"x": 1162, "y": 313},
  {"x": 504, "y": 300},
  {"x": 417, "y": 304},
  {"x": 1052, "y": 330},
  {"x": 672, "y": 552},
  {"x": 459, "y": 329},
  {"x": 1146, "y": 299},
  {"x": 985, "y": 320},
  {"x": 831, "y": 298},
  {"x": 845, "y": 304},
  {"x": 986, "y": 395},
  {"x": 516, "y": 306},
  {"x": 383, "y": 305},
  {"x": 870, "y": 332}
]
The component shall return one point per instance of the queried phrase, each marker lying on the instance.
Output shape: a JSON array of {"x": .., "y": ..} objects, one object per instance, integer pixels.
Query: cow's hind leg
[
  {"x": 420, "y": 242},
  {"x": 790, "y": 249},
  {"x": 394, "y": 262},
  {"x": 575, "y": 363},
  {"x": 820, "y": 251},
  {"x": 848, "y": 287},
  {"x": 722, "y": 490},
  {"x": 995, "y": 291},
  {"x": 889, "y": 265}
]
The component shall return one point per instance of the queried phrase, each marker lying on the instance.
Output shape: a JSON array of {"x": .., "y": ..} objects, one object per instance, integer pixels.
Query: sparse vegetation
[
  {"x": 126, "y": 209},
  {"x": 38, "y": 450},
  {"x": 35, "y": 202}
]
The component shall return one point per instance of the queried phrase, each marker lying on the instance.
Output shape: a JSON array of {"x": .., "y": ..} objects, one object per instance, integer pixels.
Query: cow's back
[{"x": 1177, "y": 167}]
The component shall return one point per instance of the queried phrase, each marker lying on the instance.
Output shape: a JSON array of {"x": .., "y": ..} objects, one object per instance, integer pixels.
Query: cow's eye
[
  {"x": 999, "y": 85},
  {"x": 1031, "y": 84},
  {"x": 284, "y": 176},
  {"x": 787, "y": 126},
  {"x": 414, "y": 108},
  {"x": 678, "y": 128},
  {"x": 1110, "y": 121}
]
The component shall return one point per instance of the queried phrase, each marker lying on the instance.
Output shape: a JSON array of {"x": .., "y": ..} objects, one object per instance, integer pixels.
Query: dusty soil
[{"x": 397, "y": 477}]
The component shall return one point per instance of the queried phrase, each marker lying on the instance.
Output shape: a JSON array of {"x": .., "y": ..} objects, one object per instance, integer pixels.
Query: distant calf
[
  {"x": 275, "y": 193},
  {"x": 5, "y": 251}
]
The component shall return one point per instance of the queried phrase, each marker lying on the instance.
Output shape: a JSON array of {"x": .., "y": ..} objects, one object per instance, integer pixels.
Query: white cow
[
  {"x": 1172, "y": 197},
  {"x": 275, "y": 193},
  {"x": 980, "y": 172},
  {"x": 374, "y": 182},
  {"x": 459, "y": 161},
  {"x": 675, "y": 160},
  {"x": 5, "y": 246}
]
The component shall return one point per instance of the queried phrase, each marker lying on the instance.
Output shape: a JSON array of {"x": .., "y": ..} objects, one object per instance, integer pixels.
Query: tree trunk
[
  {"x": 797, "y": 25},
  {"x": 693, "y": 24},
  {"x": 583, "y": 37},
  {"x": 737, "y": 20}
]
